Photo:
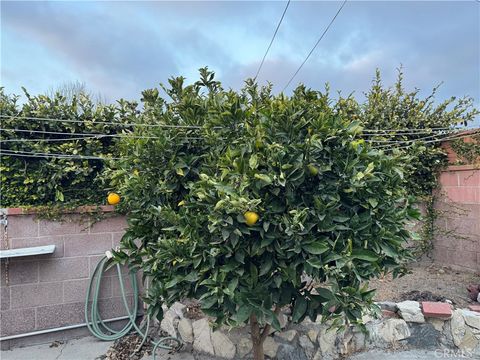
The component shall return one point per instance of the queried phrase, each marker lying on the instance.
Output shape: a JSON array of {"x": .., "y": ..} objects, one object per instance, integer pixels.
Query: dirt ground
[{"x": 427, "y": 281}]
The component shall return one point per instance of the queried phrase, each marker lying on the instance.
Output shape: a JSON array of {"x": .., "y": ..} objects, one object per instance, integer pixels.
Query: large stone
[
  {"x": 327, "y": 340},
  {"x": 244, "y": 346},
  {"x": 289, "y": 352},
  {"x": 312, "y": 335},
  {"x": 185, "y": 330},
  {"x": 222, "y": 345},
  {"x": 436, "y": 323},
  {"x": 410, "y": 311},
  {"x": 177, "y": 308},
  {"x": 424, "y": 336},
  {"x": 288, "y": 335},
  {"x": 463, "y": 336},
  {"x": 270, "y": 347},
  {"x": 472, "y": 318},
  {"x": 202, "y": 337},
  {"x": 458, "y": 327},
  {"x": 307, "y": 346},
  {"x": 169, "y": 323},
  {"x": 388, "y": 305},
  {"x": 390, "y": 330}
]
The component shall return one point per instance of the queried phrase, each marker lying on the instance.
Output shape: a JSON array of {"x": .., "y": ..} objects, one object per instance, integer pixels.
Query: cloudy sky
[{"x": 121, "y": 48}]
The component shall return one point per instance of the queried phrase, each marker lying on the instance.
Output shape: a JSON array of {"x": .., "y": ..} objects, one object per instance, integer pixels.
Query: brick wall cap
[
  {"x": 462, "y": 167},
  {"x": 79, "y": 210}
]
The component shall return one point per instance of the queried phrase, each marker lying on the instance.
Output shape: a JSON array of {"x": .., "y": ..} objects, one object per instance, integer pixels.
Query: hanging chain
[{"x": 4, "y": 222}]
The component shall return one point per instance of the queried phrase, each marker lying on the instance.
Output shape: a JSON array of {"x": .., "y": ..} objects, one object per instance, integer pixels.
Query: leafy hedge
[
  {"x": 33, "y": 181},
  {"x": 29, "y": 181}
]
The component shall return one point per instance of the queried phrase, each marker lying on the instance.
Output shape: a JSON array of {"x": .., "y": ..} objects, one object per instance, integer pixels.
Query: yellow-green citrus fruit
[
  {"x": 113, "y": 199},
  {"x": 312, "y": 169},
  {"x": 251, "y": 218}
]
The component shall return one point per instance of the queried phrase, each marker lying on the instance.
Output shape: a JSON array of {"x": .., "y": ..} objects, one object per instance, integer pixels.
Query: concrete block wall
[
  {"x": 458, "y": 237},
  {"x": 48, "y": 291}
]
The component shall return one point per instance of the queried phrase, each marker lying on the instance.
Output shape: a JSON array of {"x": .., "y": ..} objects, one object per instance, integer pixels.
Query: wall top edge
[{"x": 87, "y": 209}]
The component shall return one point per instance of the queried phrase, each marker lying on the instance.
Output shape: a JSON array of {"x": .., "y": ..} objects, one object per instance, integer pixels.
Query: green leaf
[
  {"x": 364, "y": 255},
  {"x": 373, "y": 202},
  {"x": 316, "y": 263},
  {"x": 243, "y": 313},
  {"x": 299, "y": 309},
  {"x": 316, "y": 248},
  {"x": 265, "y": 178}
]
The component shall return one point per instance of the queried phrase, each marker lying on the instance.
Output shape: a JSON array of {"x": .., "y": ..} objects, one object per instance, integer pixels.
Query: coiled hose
[{"x": 97, "y": 326}]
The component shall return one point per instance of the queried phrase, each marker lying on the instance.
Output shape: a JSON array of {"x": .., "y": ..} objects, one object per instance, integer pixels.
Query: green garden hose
[{"x": 97, "y": 326}]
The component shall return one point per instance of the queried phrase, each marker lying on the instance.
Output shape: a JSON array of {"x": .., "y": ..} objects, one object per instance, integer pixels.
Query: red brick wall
[
  {"x": 458, "y": 240},
  {"x": 48, "y": 291}
]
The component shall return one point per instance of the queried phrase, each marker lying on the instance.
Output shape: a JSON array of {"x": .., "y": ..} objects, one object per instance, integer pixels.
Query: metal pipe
[{"x": 46, "y": 331}]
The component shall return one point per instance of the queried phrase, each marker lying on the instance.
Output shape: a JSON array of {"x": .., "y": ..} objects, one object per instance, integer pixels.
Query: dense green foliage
[
  {"x": 30, "y": 181},
  {"x": 468, "y": 152},
  {"x": 35, "y": 181},
  {"x": 330, "y": 206},
  {"x": 395, "y": 109}
]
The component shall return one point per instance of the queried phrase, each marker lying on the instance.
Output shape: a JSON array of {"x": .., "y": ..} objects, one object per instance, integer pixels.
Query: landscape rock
[
  {"x": 472, "y": 318},
  {"x": 327, "y": 340},
  {"x": 289, "y": 352},
  {"x": 270, "y": 347},
  {"x": 185, "y": 330},
  {"x": 288, "y": 335},
  {"x": 222, "y": 345},
  {"x": 458, "y": 327},
  {"x": 436, "y": 323},
  {"x": 388, "y": 305},
  {"x": 244, "y": 346},
  {"x": 424, "y": 336},
  {"x": 169, "y": 323},
  {"x": 177, "y": 308},
  {"x": 410, "y": 311},
  {"x": 312, "y": 335},
  {"x": 202, "y": 337},
  {"x": 307, "y": 346},
  {"x": 390, "y": 330}
]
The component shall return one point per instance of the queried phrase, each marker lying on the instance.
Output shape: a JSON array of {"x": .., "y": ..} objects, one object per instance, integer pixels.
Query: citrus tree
[{"x": 234, "y": 196}]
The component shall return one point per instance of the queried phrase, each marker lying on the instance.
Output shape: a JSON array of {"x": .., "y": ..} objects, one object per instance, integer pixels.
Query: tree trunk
[{"x": 257, "y": 339}]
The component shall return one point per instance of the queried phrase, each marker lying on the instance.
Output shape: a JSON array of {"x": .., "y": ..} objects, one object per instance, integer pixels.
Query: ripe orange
[
  {"x": 251, "y": 218},
  {"x": 113, "y": 199}
]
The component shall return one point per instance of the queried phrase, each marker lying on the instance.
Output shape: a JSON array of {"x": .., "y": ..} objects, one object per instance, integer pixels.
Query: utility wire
[
  {"x": 90, "y": 135},
  {"x": 372, "y": 132},
  {"x": 271, "y": 41},
  {"x": 51, "y": 140},
  {"x": 391, "y": 147},
  {"x": 5, "y": 152},
  {"x": 318, "y": 41},
  {"x": 102, "y": 122}
]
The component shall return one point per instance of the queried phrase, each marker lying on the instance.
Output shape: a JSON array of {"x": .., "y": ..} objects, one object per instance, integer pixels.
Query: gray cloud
[{"x": 122, "y": 48}]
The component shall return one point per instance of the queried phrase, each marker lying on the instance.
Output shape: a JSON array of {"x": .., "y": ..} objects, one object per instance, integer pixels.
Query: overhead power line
[
  {"x": 273, "y": 38},
  {"x": 77, "y": 121},
  {"x": 318, "y": 41},
  {"x": 5, "y": 152},
  {"x": 413, "y": 142}
]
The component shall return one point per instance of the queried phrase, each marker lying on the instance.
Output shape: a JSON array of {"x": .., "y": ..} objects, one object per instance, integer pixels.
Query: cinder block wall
[
  {"x": 48, "y": 291},
  {"x": 457, "y": 242}
]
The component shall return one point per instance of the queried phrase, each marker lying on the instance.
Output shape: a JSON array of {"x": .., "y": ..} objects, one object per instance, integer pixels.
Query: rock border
[{"x": 403, "y": 325}]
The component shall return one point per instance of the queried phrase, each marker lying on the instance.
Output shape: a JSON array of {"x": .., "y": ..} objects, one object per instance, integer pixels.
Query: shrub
[
  {"x": 329, "y": 206},
  {"x": 31, "y": 181}
]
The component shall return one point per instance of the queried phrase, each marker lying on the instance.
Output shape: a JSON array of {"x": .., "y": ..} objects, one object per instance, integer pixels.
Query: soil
[{"x": 427, "y": 282}]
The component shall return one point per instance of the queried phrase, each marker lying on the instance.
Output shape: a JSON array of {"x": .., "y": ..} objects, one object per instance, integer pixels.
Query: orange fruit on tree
[
  {"x": 113, "y": 198},
  {"x": 251, "y": 218}
]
